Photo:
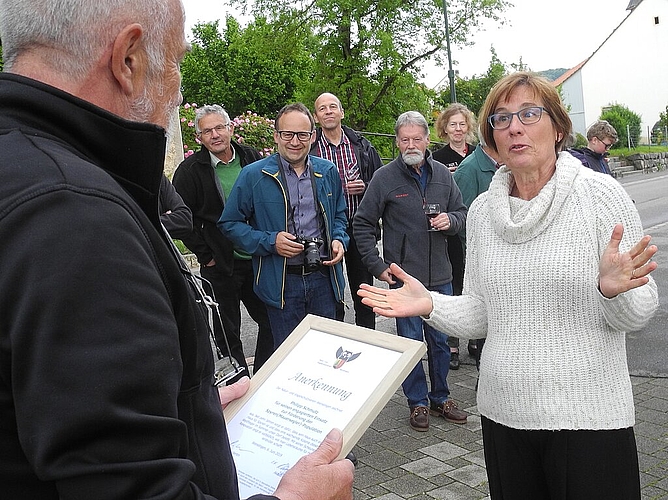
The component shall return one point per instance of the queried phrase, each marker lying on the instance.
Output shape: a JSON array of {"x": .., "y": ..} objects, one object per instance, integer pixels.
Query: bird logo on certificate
[{"x": 342, "y": 357}]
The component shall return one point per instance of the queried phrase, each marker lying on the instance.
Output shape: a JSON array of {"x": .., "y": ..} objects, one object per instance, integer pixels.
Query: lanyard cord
[{"x": 226, "y": 367}]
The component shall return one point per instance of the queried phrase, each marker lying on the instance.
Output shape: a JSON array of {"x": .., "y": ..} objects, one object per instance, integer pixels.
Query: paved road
[{"x": 647, "y": 350}]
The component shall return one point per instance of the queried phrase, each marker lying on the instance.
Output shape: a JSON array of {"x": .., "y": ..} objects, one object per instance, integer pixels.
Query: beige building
[{"x": 628, "y": 68}]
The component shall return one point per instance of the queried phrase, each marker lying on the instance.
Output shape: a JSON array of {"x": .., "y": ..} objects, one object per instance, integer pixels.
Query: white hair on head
[
  {"x": 411, "y": 118},
  {"x": 210, "y": 109},
  {"x": 73, "y": 34}
]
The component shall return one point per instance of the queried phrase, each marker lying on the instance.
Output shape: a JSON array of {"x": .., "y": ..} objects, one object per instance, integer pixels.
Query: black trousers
[
  {"x": 357, "y": 274},
  {"x": 560, "y": 465},
  {"x": 456, "y": 257},
  {"x": 230, "y": 291}
]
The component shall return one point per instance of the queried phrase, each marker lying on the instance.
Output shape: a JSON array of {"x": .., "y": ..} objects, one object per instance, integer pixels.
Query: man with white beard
[{"x": 400, "y": 193}]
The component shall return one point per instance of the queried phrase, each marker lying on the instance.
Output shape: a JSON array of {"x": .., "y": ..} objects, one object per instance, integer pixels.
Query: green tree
[
  {"x": 255, "y": 68},
  {"x": 660, "y": 128},
  {"x": 473, "y": 91},
  {"x": 619, "y": 116},
  {"x": 663, "y": 118},
  {"x": 371, "y": 51}
]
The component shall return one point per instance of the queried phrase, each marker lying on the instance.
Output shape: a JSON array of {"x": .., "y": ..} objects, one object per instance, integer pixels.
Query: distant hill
[{"x": 553, "y": 74}]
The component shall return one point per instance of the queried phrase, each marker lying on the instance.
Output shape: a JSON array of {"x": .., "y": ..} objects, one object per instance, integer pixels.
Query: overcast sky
[{"x": 545, "y": 35}]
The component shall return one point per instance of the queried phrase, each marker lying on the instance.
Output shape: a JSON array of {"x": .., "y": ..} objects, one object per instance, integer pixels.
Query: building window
[{"x": 656, "y": 20}]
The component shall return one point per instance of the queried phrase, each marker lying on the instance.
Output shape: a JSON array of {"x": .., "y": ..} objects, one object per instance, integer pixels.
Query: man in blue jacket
[{"x": 289, "y": 213}]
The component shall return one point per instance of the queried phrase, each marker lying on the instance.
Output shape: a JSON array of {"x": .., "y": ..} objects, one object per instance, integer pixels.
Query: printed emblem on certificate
[{"x": 326, "y": 374}]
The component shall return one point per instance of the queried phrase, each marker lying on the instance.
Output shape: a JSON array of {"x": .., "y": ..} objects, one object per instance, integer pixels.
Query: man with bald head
[
  {"x": 356, "y": 160},
  {"x": 106, "y": 367}
]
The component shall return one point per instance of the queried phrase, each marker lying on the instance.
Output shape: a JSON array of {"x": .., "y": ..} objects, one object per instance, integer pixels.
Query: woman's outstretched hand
[
  {"x": 619, "y": 272},
  {"x": 412, "y": 299}
]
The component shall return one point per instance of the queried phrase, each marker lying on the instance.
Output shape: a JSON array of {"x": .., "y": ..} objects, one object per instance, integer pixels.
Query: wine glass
[{"x": 431, "y": 210}]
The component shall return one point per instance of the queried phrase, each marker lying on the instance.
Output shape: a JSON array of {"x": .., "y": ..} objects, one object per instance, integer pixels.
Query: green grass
[
  {"x": 182, "y": 248},
  {"x": 622, "y": 152}
]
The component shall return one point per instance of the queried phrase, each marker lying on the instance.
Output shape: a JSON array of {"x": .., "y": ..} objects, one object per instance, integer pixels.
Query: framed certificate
[{"x": 326, "y": 374}]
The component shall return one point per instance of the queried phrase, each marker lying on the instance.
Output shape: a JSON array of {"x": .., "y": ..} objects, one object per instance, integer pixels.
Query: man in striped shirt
[{"x": 356, "y": 160}]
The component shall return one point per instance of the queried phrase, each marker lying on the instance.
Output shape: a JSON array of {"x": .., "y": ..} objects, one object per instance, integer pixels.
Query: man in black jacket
[
  {"x": 106, "y": 371},
  {"x": 357, "y": 160},
  {"x": 601, "y": 136},
  {"x": 175, "y": 215},
  {"x": 204, "y": 180}
]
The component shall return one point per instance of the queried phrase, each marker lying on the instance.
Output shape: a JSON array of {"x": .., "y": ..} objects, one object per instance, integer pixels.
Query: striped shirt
[{"x": 343, "y": 156}]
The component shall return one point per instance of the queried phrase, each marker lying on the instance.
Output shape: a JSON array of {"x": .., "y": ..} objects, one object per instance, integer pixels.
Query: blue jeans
[
  {"x": 438, "y": 359},
  {"x": 310, "y": 294}
]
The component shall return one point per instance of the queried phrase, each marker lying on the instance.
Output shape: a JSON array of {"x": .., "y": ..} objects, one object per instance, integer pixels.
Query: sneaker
[
  {"x": 449, "y": 411},
  {"x": 419, "y": 418},
  {"x": 454, "y": 360}
]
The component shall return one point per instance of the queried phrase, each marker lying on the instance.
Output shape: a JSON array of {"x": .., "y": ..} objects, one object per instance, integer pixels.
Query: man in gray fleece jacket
[{"x": 399, "y": 193}]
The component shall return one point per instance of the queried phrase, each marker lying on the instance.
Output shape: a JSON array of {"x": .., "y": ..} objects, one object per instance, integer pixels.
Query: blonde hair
[{"x": 444, "y": 118}]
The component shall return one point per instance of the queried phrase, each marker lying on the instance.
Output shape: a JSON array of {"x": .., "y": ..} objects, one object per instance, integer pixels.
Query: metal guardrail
[{"x": 388, "y": 140}]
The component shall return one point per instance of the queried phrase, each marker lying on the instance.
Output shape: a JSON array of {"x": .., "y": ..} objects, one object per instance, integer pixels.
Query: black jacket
[
  {"x": 105, "y": 364},
  {"x": 174, "y": 213},
  {"x": 592, "y": 159},
  {"x": 196, "y": 182}
]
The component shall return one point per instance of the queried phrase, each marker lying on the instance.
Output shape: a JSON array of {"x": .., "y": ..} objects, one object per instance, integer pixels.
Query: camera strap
[
  {"x": 290, "y": 209},
  {"x": 225, "y": 367}
]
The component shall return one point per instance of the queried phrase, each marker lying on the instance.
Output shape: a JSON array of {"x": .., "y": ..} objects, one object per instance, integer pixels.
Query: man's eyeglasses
[
  {"x": 288, "y": 135},
  {"x": 607, "y": 146},
  {"x": 218, "y": 128},
  {"x": 527, "y": 116}
]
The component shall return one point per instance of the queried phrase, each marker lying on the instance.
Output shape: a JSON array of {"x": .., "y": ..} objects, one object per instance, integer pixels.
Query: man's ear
[{"x": 128, "y": 57}]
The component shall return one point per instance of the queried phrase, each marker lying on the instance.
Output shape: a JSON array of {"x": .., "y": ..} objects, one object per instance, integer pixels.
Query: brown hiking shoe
[
  {"x": 419, "y": 418},
  {"x": 449, "y": 411}
]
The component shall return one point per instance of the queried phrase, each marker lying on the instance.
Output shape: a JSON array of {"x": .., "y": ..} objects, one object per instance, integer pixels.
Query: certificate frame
[{"x": 410, "y": 353}]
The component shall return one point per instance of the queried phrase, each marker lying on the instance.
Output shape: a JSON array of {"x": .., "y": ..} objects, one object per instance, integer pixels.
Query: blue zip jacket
[{"x": 257, "y": 210}]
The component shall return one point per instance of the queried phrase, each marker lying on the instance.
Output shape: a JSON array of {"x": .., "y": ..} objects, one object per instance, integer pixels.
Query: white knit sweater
[{"x": 555, "y": 354}]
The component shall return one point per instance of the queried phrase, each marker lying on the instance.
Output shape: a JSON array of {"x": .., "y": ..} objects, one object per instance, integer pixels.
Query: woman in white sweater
[{"x": 557, "y": 270}]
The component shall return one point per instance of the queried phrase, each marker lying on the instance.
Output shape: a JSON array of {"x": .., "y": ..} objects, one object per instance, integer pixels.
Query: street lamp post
[{"x": 451, "y": 72}]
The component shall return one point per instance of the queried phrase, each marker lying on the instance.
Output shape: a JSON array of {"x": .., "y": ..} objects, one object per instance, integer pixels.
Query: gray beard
[{"x": 413, "y": 158}]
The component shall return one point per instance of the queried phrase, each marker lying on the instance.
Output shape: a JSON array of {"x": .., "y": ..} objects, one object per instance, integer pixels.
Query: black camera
[{"x": 311, "y": 252}]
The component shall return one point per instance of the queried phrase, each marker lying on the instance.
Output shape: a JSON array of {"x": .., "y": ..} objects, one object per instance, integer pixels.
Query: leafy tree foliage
[
  {"x": 256, "y": 68},
  {"x": 660, "y": 128},
  {"x": 370, "y": 52},
  {"x": 663, "y": 118},
  {"x": 619, "y": 116},
  {"x": 473, "y": 91}
]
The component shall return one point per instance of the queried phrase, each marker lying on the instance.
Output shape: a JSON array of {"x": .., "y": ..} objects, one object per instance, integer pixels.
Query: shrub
[
  {"x": 254, "y": 130},
  {"x": 619, "y": 116},
  {"x": 188, "y": 135},
  {"x": 250, "y": 129}
]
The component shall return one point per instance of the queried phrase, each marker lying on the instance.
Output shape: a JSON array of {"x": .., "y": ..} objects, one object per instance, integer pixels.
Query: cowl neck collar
[{"x": 518, "y": 221}]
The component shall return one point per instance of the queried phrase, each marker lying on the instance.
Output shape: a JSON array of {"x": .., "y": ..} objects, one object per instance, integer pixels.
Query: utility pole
[{"x": 451, "y": 72}]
